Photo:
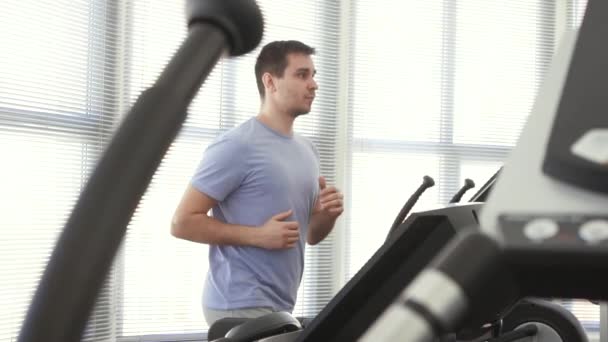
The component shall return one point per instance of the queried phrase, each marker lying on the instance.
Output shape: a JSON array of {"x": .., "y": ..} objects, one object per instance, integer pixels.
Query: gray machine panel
[{"x": 522, "y": 188}]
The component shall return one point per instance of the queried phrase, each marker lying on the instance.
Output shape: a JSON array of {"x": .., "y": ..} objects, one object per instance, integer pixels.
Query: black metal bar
[{"x": 427, "y": 182}]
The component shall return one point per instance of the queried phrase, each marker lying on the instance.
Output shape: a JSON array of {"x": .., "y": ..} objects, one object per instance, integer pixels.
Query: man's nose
[{"x": 313, "y": 84}]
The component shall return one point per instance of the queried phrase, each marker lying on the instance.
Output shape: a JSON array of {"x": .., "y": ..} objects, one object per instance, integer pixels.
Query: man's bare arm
[
  {"x": 328, "y": 207},
  {"x": 319, "y": 227},
  {"x": 192, "y": 222}
]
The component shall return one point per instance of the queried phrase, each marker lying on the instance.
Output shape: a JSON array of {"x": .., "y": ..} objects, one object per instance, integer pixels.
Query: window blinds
[
  {"x": 58, "y": 92},
  {"x": 438, "y": 88}
]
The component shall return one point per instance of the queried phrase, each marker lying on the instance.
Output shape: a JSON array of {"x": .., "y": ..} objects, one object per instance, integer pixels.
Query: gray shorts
[{"x": 212, "y": 315}]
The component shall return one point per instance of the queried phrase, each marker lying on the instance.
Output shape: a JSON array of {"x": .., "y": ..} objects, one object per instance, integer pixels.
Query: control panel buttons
[
  {"x": 594, "y": 231},
  {"x": 559, "y": 231},
  {"x": 541, "y": 229}
]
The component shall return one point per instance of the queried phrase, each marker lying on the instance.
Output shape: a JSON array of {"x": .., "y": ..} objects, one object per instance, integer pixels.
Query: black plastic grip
[{"x": 241, "y": 20}]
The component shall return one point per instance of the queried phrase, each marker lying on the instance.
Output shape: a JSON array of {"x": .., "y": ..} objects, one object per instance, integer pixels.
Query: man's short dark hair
[{"x": 273, "y": 59}]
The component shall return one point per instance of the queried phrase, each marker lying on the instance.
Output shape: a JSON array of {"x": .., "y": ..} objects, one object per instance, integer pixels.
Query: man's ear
[{"x": 268, "y": 81}]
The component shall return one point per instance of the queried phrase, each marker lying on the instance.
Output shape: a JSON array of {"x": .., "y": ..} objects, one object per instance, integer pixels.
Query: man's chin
[{"x": 302, "y": 111}]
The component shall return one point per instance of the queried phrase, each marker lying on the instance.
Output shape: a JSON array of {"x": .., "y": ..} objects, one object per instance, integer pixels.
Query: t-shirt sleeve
[{"x": 221, "y": 171}]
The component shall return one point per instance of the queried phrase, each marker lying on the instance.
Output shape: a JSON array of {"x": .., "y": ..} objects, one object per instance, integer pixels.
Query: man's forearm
[
  {"x": 204, "y": 229},
  {"x": 320, "y": 226}
]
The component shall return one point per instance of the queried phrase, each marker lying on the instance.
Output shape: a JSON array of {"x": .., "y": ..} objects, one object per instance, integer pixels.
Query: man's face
[{"x": 296, "y": 89}]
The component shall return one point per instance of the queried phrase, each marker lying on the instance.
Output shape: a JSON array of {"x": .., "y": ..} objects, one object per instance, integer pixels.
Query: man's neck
[{"x": 278, "y": 121}]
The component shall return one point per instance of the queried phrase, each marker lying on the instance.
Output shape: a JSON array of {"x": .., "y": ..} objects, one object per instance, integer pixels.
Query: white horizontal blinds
[
  {"x": 587, "y": 313},
  {"x": 39, "y": 190},
  {"x": 394, "y": 114},
  {"x": 437, "y": 88},
  {"x": 163, "y": 277},
  {"x": 501, "y": 54},
  {"x": 576, "y": 12},
  {"x": 57, "y": 90},
  {"x": 502, "y": 51}
]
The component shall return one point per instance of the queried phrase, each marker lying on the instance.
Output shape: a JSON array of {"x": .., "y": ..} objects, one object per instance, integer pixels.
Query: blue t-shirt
[{"x": 255, "y": 173}]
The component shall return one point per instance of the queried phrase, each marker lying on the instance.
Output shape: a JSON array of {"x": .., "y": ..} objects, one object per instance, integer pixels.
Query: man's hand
[
  {"x": 328, "y": 207},
  {"x": 279, "y": 234},
  {"x": 330, "y": 201}
]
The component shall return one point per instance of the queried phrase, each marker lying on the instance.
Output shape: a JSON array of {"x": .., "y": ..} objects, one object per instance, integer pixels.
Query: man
[{"x": 262, "y": 182}]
